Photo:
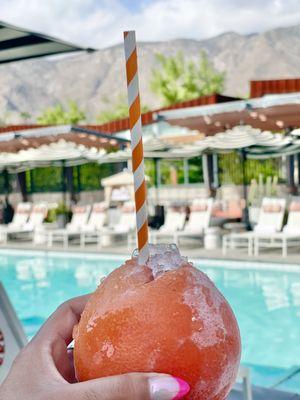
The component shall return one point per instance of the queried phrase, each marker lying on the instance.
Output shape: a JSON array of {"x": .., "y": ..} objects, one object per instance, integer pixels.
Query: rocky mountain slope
[{"x": 89, "y": 79}]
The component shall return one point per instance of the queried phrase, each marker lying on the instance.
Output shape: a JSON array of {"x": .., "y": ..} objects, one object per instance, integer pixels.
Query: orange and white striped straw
[{"x": 135, "y": 123}]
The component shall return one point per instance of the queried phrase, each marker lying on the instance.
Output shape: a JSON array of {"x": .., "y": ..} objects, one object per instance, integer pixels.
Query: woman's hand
[{"x": 44, "y": 369}]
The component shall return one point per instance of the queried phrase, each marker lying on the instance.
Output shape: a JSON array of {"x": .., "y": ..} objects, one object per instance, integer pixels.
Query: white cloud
[{"x": 100, "y": 23}]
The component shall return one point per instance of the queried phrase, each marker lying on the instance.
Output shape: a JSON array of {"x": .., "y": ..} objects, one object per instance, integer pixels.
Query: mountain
[{"x": 89, "y": 79}]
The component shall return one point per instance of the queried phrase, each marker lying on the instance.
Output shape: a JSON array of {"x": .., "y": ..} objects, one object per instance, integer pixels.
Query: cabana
[{"x": 119, "y": 187}]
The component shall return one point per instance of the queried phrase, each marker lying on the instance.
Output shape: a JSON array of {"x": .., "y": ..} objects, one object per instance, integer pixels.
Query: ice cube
[{"x": 163, "y": 257}]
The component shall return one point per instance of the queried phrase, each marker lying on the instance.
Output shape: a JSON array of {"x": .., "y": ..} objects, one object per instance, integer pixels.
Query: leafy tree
[
  {"x": 25, "y": 116},
  {"x": 230, "y": 170},
  {"x": 178, "y": 79},
  {"x": 115, "y": 111},
  {"x": 195, "y": 170},
  {"x": 60, "y": 115}
]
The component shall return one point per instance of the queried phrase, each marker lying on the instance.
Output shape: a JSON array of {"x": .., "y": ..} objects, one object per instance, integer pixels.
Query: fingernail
[{"x": 168, "y": 388}]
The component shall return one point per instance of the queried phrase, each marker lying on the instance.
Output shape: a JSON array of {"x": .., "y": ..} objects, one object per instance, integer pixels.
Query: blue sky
[
  {"x": 135, "y": 5},
  {"x": 100, "y": 23}
]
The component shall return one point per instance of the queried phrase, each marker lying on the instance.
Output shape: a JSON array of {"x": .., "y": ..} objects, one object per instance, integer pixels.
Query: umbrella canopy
[
  {"x": 19, "y": 44},
  {"x": 55, "y": 153},
  {"x": 254, "y": 142},
  {"x": 244, "y": 137},
  {"x": 31, "y": 148}
]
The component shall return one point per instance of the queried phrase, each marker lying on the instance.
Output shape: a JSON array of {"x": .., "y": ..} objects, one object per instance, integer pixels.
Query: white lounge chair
[
  {"x": 12, "y": 336},
  {"x": 269, "y": 222},
  {"x": 20, "y": 218},
  {"x": 91, "y": 232},
  {"x": 26, "y": 229},
  {"x": 125, "y": 227},
  {"x": 174, "y": 222},
  {"x": 72, "y": 230},
  {"x": 289, "y": 236},
  {"x": 36, "y": 218},
  {"x": 199, "y": 220}
]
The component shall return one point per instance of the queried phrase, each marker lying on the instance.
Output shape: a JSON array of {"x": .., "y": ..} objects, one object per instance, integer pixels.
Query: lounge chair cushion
[
  {"x": 294, "y": 206},
  {"x": 272, "y": 208}
]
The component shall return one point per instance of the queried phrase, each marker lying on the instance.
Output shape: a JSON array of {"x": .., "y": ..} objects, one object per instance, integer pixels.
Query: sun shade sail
[{"x": 19, "y": 44}]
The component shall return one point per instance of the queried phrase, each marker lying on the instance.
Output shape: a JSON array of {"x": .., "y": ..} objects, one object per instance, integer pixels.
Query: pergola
[
  {"x": 60, "y": 145},
  {"x": 250, "y": 142},
  {"x": 63, "y": 146},
  {"x": 267, "y": 113},
  {"x": 275, "y": 112}
]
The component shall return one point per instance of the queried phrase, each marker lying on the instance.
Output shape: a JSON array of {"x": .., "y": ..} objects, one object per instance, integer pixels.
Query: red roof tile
[
  {"x": 149, "y": 117},
  {"x": 11, "y": 128},
  {"x": 274, "y": 86}
]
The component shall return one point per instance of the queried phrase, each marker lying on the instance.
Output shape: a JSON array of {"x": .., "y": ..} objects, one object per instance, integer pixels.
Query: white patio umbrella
[
  {"x": 47, "y": 154},
  {"x": 254, "y": 142},
  {"x": 240, "y": 137}
]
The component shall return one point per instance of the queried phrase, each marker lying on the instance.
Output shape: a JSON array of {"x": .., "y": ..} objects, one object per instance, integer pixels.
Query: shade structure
[
  {"x": 120, "y": 186},
  {"x": 21, "y": 150},
  {"x": 48, "y": 154},
  {"x": 73, "y": 145},
  {"x": 270, "y": 112},
  {"x": 19, "y": 44},
  {"x": 254, "y": 143}
]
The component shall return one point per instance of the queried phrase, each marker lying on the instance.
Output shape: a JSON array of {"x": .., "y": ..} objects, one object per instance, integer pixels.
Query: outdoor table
[{"x": 212, "y": 238}]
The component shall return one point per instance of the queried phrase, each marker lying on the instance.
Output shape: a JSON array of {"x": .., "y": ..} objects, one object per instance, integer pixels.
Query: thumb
[{"x": 133, "y": 386}]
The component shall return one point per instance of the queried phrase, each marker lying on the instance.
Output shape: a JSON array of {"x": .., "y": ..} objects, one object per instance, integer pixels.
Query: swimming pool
[{"x": 265, "y": 301}]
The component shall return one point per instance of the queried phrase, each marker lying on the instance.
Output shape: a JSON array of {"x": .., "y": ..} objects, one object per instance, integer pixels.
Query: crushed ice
[
  {"x": 108, "y": 348},
  {"x": 163, "y": 257}
]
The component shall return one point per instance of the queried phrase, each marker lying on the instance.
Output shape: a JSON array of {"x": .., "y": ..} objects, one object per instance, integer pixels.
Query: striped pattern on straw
[{"x": 135, "y": 123}]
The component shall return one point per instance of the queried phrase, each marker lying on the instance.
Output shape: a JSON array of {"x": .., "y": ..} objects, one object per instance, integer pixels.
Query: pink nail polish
[
  {"x": 166, "y": 387},
  {"x": 184, "y": 388}
]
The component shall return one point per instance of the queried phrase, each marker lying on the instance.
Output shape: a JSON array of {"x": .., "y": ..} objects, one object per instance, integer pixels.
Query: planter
[{"x": 61, "y": 220}]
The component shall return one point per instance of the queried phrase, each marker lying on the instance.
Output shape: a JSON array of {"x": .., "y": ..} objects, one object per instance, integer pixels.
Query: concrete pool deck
[{"x": 191, "y": 250}]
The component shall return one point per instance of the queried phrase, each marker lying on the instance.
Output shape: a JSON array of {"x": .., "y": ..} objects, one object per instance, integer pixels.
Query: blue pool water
[{"x": 266, "y": 302}]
